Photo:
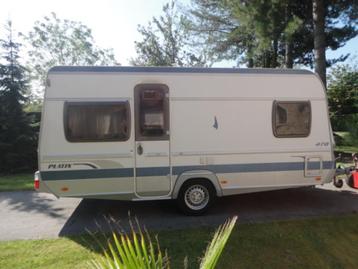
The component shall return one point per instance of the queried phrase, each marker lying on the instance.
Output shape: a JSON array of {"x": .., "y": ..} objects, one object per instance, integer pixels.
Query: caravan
[{"x": 191, "y": 134}]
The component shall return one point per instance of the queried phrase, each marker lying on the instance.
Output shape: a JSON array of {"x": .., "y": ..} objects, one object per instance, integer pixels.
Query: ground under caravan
[{"x": 191, "y": 134}]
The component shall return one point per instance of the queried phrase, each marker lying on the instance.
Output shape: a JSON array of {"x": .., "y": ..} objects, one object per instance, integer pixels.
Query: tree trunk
[
  {"x": 288, "y": 54},
  {"x": 250, "y": 60},
  {"x": 274, "y": 63},
  {"x": 319, "y": 38}
]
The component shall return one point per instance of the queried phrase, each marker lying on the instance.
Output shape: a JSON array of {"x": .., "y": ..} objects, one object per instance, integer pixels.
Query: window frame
[
  {"x": 67, "y": 104},
  {"x": 273, "y": 122},
  {"x": 137, "y": 102}
]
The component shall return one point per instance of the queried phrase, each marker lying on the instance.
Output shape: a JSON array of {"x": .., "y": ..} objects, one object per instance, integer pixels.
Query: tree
[
  {"x": 326, "y": 33},
  {"x": 17, "y": 138},
  {"x": 54, "y": 41},
  {"x": 164, "y": 42},
  {"x": 270, "y": 33},
  {"x": 343, "y": 90},
  {"x": 256, "y": 32}
]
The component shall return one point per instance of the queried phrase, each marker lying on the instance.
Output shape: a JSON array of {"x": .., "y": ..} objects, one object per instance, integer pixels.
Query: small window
[
  {"x": 152, "y": 112},
  {"x": 97, "y": 121},
  {"x": 291, "y": 119}
]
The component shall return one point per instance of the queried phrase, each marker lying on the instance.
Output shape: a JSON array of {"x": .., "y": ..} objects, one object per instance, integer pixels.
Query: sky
[{"x": 113, "y": 22}]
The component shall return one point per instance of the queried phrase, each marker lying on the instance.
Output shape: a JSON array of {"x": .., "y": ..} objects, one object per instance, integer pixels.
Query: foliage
[
  {"x": 18, "y": 140},
  {"x": 217, "y": 244},
  {"x": 343, "y": 101},
  {"x": 164, "y": 42},
  {"x": 269, "y": 33},
  {"x": 343, "y": 90},
  {"x": 131, "y": 252},
  {"x": 138, "y": 251},
  {"x": 54, "y": 41}
]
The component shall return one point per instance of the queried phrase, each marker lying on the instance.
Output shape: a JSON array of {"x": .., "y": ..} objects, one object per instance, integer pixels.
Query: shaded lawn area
[
  {"x": 330, "y": 242},
  {"x": 17, "y": 182},
  {"x": 349, "y": 149},
  {"x": 347, "y": 143}
]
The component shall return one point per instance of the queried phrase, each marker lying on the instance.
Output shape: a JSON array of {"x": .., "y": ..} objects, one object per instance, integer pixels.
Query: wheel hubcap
[{"x": 196, "y": 197}]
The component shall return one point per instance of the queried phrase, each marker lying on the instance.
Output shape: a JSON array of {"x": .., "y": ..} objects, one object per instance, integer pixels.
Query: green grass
[
  {"x": 330, "y": 242},
  {"x": 347, "y": 144},
  {"x": 349, "y": 149},
  {"x": 16, "y": 182}
]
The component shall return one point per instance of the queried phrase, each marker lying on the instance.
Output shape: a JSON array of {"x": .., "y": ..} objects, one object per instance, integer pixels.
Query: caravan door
[{"x": 152, "y": 162}]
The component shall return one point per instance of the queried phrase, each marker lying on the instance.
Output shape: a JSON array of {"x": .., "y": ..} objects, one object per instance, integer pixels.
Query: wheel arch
[{"x": 195, "y": 174}]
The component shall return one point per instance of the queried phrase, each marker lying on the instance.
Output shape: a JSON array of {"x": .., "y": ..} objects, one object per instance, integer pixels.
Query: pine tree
[
  {"x": 271, "y": 33},
  {"x": 17, "y": 137}
]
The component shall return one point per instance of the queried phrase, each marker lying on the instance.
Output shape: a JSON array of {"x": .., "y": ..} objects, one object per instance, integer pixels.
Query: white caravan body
[{"x": 140, "y": 133}]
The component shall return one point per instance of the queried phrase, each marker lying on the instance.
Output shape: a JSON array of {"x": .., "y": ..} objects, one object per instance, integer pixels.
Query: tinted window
[
  {"x": 97, "y": 121},
  {"x": 291, "y": 119},
  {"x": 152, "y": 112}
]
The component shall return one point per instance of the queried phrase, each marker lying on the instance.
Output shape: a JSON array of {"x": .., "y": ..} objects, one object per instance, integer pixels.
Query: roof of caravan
[{"x": 147, "y": 69}]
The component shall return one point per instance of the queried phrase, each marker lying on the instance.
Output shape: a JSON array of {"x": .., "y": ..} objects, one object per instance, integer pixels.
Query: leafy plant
[
  {"x": 137, "y": 250},
  {"x": 131, "y": 252},
  {"x": 217, "y": 244}
]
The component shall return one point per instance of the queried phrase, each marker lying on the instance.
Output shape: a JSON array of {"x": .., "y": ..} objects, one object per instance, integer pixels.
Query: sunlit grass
[
  {"x": 17, "y": 182},
  {"x": 330, "y": 242}
]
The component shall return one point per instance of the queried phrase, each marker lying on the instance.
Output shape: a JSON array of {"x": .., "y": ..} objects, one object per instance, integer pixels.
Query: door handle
[{"x": 139, "y": 149}]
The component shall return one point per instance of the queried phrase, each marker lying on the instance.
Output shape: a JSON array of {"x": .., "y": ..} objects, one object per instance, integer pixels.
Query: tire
[
  {"x": 196, "y": 196},
  {"x": 338, "y": 183}
]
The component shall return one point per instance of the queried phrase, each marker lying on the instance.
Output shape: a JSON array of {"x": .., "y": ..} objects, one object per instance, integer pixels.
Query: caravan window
[
  {"x": 152, "y": 112},
  {"x": 291, "y": 119},
  {"x": 97, "y": 121}
]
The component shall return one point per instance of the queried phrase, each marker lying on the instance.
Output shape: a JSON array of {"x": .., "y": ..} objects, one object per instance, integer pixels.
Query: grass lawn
[
  {"x": 349, "y": 149},
  {"x": 16, "y": 182},
  {"x": 347, "y": 144},
  {"x": 330, "y": 242}
]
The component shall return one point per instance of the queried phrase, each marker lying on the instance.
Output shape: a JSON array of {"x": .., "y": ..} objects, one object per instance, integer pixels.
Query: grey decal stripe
[
  {"x": 328, "y": 165},
  {"x": 153, "y": 171},
  {"x": 86, "y": 173},
  {"x": 163, "y": 171},
  {"x": 152, "y": 69},
  {"x": 243, "y": 168}
]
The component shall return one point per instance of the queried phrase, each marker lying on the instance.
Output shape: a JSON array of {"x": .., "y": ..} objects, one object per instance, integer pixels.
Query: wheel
[
  {"x": 338, "y": 183},
  {"x": 196, "y": 196}
]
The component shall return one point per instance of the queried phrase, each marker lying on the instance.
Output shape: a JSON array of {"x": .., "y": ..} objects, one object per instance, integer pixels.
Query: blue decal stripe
[{"x": 163, "y": 171}]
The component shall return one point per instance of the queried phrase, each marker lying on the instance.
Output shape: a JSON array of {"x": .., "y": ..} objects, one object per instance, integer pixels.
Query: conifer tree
[{"x": 17, "y": 137}]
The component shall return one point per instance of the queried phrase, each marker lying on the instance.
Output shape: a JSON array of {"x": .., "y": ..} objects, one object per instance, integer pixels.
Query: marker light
[{"x": 37, "y": 181}]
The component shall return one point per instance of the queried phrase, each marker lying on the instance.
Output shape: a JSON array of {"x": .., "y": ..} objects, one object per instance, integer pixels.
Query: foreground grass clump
[
  {"x": 136, "y": 250},
  {"x": 17, "y": 182},
  {"x": 330, "y": 242}
]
